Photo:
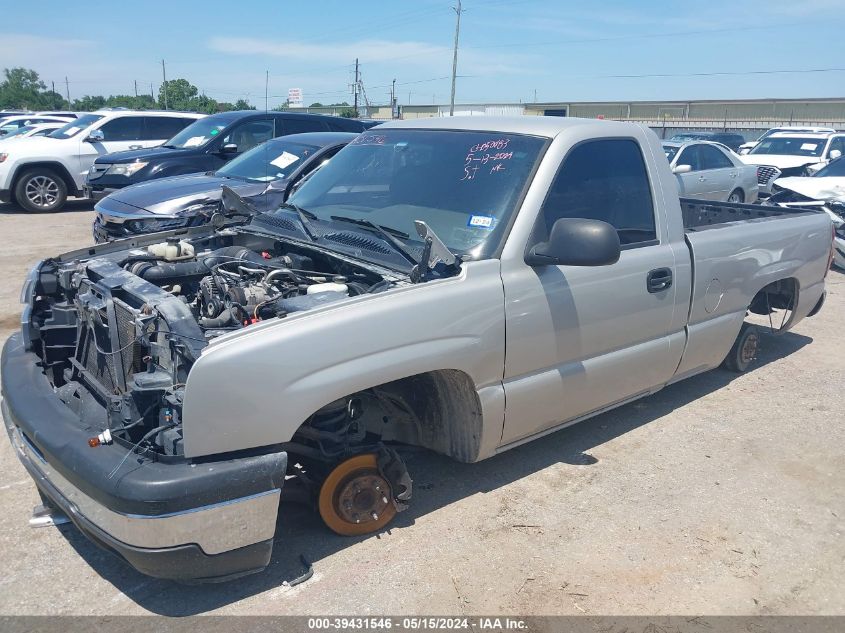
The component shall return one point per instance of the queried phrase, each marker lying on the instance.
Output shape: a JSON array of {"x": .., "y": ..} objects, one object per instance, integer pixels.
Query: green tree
[
  {"x": 141, "y": 102},
  {"x": 316, "y": 104},
  {"x": 181, "y": 94},
  {"x": 243, "y": 104},
  {"x": 22, "y": 88},
  {"x": 89, "y": 103}
]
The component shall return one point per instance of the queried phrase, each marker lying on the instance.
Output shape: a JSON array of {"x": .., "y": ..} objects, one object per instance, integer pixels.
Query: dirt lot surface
[{"x": 723, "y": 494}]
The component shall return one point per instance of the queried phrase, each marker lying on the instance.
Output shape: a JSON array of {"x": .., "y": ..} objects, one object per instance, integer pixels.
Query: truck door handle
[
  {"x": 701, "y": 179},
  {"x": 659, "y": 279}
]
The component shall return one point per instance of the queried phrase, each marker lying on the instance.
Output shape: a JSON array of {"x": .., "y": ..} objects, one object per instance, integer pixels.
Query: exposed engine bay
[{"x": 117, "y": 333}]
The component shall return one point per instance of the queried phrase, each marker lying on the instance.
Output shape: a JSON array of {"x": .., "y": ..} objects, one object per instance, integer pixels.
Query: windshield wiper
[
  {"x": 305, "y": 218},
  {"x": 387, "y": 233}
]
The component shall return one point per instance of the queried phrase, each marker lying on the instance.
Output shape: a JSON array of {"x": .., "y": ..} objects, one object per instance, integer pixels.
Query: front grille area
[{"x": 765, "y": 174}]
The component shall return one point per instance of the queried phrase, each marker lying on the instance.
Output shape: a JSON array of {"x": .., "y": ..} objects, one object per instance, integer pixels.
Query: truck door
[{"x": 579, "y": 339}]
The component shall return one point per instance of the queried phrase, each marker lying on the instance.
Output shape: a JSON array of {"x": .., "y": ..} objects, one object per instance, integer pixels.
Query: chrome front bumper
[{"x": 216, "y": 528}]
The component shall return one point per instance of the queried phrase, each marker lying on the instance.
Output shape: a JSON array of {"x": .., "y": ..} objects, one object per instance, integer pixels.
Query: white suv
[
  {"x": 792, "y": 154},
  {"x": 40, "y": 173}
]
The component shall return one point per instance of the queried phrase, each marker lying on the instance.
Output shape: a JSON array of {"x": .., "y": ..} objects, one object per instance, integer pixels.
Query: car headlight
[
  {"x": 124, "y": 169},
  {"x": 3, "y": 157}
]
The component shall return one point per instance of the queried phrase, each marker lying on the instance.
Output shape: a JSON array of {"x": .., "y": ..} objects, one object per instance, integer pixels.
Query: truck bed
[{"x": 702, "y": 214}]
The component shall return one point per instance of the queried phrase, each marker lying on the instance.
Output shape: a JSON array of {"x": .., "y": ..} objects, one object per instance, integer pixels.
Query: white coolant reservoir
[
  {"x": 327, "y": 287},
  {"x": 172, "y": 250}
]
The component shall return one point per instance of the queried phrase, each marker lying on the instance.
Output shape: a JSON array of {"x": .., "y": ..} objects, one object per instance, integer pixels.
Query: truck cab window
[{"x": 603, "y": 180}]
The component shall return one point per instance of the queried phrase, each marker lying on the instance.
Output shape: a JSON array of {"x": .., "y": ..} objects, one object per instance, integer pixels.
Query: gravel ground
[{"x": 723, "y": 494}]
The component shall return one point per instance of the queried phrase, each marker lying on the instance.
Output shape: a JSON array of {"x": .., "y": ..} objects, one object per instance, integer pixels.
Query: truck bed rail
[{"x": 699, "y": 214}]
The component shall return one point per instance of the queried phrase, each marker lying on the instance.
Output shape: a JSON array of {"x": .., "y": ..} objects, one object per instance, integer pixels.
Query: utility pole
[
  {"x": 164, "y": 83},
  {"x": 355, "y": 89},
  {"x": 67, "y": 91},
  {"x": 152, "y": 94},
  {"x": 136, "y": 88},
  {"x": 266, "y": 90},
  {"x": 535, "y": 95},
  {"x": 455, "y": 58},
  {"x": 393, "y": 100}
]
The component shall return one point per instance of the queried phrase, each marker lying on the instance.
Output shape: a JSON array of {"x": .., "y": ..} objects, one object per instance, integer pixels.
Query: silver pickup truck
[{"x": 464, "y": 285}]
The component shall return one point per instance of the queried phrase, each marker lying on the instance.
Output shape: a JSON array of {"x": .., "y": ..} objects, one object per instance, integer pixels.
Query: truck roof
[{"x": 548, "y": 126}]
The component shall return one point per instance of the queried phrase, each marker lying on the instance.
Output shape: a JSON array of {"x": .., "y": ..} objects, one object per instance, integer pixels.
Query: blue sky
[{"x": 565, "y": 51}]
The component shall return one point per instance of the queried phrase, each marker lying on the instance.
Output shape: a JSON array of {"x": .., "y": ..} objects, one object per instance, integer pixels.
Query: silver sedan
[{"x": 711, "y": 171}]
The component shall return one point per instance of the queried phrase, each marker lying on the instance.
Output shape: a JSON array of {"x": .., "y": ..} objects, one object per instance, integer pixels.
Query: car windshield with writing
[
  {"x": 463, "y": 185},
  {"x": 272, "y": 160},
  {"x": 196, "y": 134},
  {"x": 76, "y": 126},
  {"x": 792, "y": 146}
]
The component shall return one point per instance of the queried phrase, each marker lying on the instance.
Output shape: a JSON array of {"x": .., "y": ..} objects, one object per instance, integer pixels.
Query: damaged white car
[
  {"x": 794, "y": 155},
  {"x": 825, "y": 190}
]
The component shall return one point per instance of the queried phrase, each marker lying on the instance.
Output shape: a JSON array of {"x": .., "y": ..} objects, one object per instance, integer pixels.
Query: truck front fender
[{"x": 257, "y": 386}]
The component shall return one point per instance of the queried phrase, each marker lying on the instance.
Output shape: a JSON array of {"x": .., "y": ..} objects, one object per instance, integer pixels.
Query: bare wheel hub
[
  {"x": 355, "y": 498},
  {"x": 363, "y": 499}
]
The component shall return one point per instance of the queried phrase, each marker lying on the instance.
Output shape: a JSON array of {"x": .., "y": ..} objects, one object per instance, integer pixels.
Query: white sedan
[
  {"x": 711, "y": 171},
  {"x": 35, "y": 129}
]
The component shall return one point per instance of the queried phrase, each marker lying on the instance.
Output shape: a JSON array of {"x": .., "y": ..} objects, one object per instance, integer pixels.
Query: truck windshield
[
  {"x": 270, "y": 161},
  {"x": 196, "y": 134},
  {"x": 465, "y": 185},
  {"x": 76, "y": 126},
  {"x": 792, "y": 146}
]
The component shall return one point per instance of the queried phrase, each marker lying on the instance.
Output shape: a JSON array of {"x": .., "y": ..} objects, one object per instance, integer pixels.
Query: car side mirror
[
  {"x": 834, "y": 154},
  {"x": 577, "y": 242},
  {"x": 682, "y": 169},
  {"x": 95, "y": 136},
  {"x": 228, "y": 148}
]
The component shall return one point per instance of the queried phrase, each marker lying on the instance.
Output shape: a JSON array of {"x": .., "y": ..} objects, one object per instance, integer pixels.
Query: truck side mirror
[
  {"x": 834, "y": 154},
  {"x": 682, "y": 169},
  {"x": 228, "y": 148},
  {"x": 577, "y": 242}
]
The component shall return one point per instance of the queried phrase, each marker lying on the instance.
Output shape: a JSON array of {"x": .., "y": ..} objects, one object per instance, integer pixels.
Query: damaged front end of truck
[{"x": 94, "y": 384}]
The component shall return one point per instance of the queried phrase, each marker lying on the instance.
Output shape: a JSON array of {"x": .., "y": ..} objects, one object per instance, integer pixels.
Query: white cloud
[{"x": 367, "y": 50}]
